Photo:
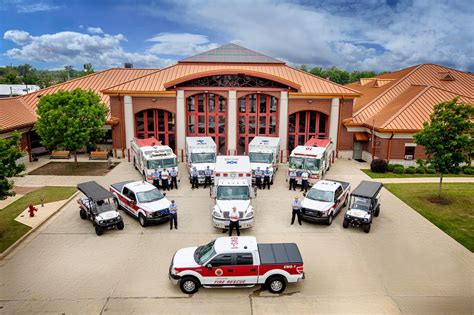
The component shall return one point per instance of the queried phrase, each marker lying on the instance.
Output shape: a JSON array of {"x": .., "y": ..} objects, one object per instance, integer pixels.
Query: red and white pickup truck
[
  {"x": 142, "y": 200},
  {"x": 237, "y": 262}
]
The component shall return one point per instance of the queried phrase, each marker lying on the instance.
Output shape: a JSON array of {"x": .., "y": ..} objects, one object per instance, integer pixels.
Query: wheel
[
  {"x": 98, "y": 230},
  {"x": 142, "y": 220},
  {"x": 366, "y": 227},
  {"x": 83, "y": 214},
  {"x": 329, "y": 222},
  {"x": 189, "y": 285},
  {"x": 120, "y": 225},
  {"x": 345, "y": 224},
  {"x": 377, "y": 211},
  {"x": 276, "y": 284}
]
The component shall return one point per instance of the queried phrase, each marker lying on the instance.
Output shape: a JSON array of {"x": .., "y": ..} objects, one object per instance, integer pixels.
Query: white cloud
[
  {"x": 102, "y": 50},
  {"x": 94, "y": 30},
  {"x": 35, "y": 7},
  {"x": 180, "y": 44}
]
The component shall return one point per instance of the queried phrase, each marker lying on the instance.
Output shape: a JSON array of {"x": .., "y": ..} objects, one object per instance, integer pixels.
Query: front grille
[
  {"x": 226, "y": 215},
  {"x": 201, "y": 172},
  {"x": 312, "y": 213},
  {"x": 160, "y": 213}
]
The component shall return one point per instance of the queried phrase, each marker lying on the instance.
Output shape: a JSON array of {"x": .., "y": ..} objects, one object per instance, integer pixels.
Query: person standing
[
  {"x": 207, "y": 176},
  {"x": 173, "y": 215},
  {"x": 234, "y": 221},
  {"x": 165, "y": 177},
  {"x": 292, "y": 180},
  {"x": 296, "y": 206},
  {"x": 304, "y": 181},
  {"x": 174, "y": 178},
  {"x": 258, "y": 177},
  {"x": 194, "y": 178},
  {"x": 266, "y": 177},
  {"x": 155, "y": 175}
]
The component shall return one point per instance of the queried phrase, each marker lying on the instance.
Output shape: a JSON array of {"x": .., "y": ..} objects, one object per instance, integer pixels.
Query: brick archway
[
  {"x": 156, "y": 123},
  {"x": 304, "y": 125}
]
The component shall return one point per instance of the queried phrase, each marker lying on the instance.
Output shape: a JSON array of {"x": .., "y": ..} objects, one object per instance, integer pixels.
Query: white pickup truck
[
  {"x": 325, "y": 200},
  {"x": 142, "y": 200}
]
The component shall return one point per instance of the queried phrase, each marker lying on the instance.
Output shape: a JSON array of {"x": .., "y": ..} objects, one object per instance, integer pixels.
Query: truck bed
[
  {"x": 118, "y": 186},
  {"x": 344, "y": 185},
  {"x": 282, "y": 253}
]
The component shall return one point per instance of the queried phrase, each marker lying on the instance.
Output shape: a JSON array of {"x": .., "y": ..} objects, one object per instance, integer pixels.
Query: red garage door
[
  {"x": 156, "y": 123},
  {"x": 305, "y": 125}
]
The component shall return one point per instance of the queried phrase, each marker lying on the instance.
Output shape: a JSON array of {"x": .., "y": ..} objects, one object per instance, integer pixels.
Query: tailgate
[{"x": 282, "y": 253}]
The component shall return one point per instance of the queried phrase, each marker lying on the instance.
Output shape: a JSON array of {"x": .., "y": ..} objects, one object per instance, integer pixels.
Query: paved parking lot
[{"x": 404, "y": 265}]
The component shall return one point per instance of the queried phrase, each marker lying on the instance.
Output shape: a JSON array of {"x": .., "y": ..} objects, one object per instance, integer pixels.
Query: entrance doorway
[
  {"x": 156, "y": 123},
  {"x": 305, "y": 125},
  {"x": 357, "y": 152}
]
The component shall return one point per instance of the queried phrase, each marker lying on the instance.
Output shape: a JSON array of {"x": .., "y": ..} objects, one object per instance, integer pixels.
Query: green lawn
[
  {"x": 11, "y": 230},
  {"x": 455, "y": 218},
  {"x": 393, "y": 175}
]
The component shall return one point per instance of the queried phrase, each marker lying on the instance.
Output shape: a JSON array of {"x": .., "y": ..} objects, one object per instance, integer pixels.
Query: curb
[{"x": 21, "y": 239}]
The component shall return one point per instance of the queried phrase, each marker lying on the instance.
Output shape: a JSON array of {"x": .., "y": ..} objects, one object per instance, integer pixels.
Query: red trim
[
  {"x": 307, "y": 124},
  {"x": 165, "y": 129},
  {"x": 253, "y": 89}
]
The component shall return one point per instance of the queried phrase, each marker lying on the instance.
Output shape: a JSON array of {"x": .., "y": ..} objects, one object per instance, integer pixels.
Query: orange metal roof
[
  {"x": 157, "y": 82},
  {"x": 14, "y": 114},
  {"x": 413, "y": 91}
]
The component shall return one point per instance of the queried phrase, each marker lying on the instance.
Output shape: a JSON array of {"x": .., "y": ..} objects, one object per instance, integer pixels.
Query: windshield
[
  {"x": 162, "y": 163},
  {"x": 310, "y": 164},
  {"x": 361, "y": 203},
  {"x": 320, "y": 195},
  {"x": 149, "y": 196},
  {"x": 203, "y": 157},
  {"x": 203, "y": 253},
  {"x": 104, "y": 206},
  {"x": 258, "y": 157},
  {"x": 233, "y": 193}
]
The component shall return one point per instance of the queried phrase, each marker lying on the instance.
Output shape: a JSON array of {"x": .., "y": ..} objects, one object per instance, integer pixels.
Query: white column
[
  {"x": 129, "y": 121},
  {"x": 283, "y": 122},
  {"x": 180, "y": 122},
  {"x": 232, "y": 121},
  {"x": 333, "y": 121}
]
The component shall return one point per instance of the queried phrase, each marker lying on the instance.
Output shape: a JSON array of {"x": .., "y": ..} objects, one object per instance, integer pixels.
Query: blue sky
[{"x": 354, "y": 35}]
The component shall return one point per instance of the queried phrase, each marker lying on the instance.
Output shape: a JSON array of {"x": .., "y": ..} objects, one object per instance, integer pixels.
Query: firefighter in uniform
[
  {"x": 296, "y": 206},
  {"x": 234, "y": 221},
  {"x": 174, "y": 178},
  {"x": 207, "y": 176},
  {"x": 258, "y": 177},
  {"x": 194, "y": 178},
  {"x": 155, "y": 175},
  {"x": 292, "y": 180},
  {"x": 304, "y": 181},
  {"x": 267, "y": 174},
  {"x": 173, "y": 215},
  {"x": 165, "y": 176}
]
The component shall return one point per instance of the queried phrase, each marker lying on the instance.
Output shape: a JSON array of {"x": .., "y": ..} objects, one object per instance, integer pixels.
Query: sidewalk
[{"x": 415, "y": 180}]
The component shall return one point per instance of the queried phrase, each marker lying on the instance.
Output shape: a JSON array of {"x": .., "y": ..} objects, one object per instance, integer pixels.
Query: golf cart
[
  {"x": 100, "y": 206},
  {"x": 364, "y": 204}
]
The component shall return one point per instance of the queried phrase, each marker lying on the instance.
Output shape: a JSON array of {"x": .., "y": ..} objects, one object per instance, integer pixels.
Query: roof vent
[
  {"x": 382, "y": 82},
  {"x": 446, "y": 76},
  {"x": 128, "y": 65},
  {"x": 364, "y": 81}
]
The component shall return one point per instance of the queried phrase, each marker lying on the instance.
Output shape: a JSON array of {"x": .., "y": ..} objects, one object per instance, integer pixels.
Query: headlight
[
  {"x": 249, "y": 215},
  {"x": 216, "y": 214},
  {"x": 101, "y": 222},
  {"x": 366, "y": 220},
  {"x": 149, "y": 214}
]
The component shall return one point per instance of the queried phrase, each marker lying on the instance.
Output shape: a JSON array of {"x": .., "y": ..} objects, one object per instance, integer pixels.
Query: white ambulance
[
  {"x": 232, "y": 188},
  {"x": 264, "y": 152},
  {"x": 200, "y": 153},
  {"x": 314, "y": 157},
  {"x": 149, "y": 154}
]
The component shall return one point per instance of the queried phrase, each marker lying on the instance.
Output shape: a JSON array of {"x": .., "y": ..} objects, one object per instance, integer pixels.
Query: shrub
[
  {"x": 421, "y": 162},
  {"x": 455, "y": 170},
  {"x": 430, "y": 170},
  {"x": 410, "y": 170},
  {"x": 399, "y": 169},
  {"x": 390, "y": 167},
  {"x": 420, "y": 170},
  {"x": 468, "y": 170},
  {"x": 378, "y": 166}
]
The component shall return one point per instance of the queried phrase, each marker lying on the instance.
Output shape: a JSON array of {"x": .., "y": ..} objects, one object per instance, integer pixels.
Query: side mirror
[
  {"x": 164, "y": 194},
  {"x": 133, "y": 202},
  {"x": 209, "y": 266}
]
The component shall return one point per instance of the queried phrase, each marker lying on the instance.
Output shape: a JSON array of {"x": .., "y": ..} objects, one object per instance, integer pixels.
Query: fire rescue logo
[{"x": 219, "y": 272}]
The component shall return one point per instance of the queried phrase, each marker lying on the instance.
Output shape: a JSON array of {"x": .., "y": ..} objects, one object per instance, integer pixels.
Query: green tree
[
  {"x": 11, "y": 77},
  {"x": 448, "y": 138},
  {"x": 70, "y": 120},
  {"x": 10, "y": 152}
]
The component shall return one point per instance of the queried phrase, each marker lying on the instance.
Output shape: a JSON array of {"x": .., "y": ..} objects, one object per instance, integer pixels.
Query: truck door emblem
[{"x": 219, "y": 272}]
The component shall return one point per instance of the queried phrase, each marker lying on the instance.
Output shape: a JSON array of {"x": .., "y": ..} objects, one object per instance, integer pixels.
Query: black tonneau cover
[
  {"x": 118, "y": 186},
  {"x": 343, "y": 184},
  {"x": 283, "y": 253},
  {"x": 94, "y": 191},
  {"x": 367, "y": 189}
]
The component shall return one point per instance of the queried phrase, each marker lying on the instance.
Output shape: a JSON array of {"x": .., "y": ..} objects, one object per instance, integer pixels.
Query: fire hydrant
[{"x": 31, "y": 210}]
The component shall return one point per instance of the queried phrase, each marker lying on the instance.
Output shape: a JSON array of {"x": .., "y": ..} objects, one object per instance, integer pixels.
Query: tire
[
  {"x": 83, "y": 214},
  {"x": 377, "y": 212},
  {"x": 366, "y": 227},
  {"x": 98, "y": 230},
  {"x": 345, "y": 224},
  {"x": 189, "y": 285},
  {"x": 276, "y": 285},
  {"x": 120, "y": 225},
  {"x": 330, "y": 218},
  {"x": 142, "y": 220}
]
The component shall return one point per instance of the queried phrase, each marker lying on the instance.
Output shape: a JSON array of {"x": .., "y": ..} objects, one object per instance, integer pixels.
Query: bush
[
  {"x": 378, "y": 166},
  {"x": 430, "y": 170},
  {"x": 399, "y": 169},
  {"x": 390, "y": 167},
  {"x": 421, "y": 162},
  {"x": 420, "y": 170},
  {"x": 468, "y": 170},
  {"x": 455, "y": 170},
  {"x": 410, "y": 170}
]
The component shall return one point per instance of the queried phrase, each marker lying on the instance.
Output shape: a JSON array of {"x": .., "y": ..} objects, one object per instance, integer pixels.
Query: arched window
[
  {"x": 258, "y": 115},
  {"x": 305, "y": 125},
  {"x": 206, "y": 116},
  {"x": 156, "y": 123}
]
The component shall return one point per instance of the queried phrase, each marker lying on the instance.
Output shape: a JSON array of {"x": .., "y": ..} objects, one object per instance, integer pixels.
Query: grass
[
  {"x": 393, "y": 175},
  {"x": 70, "y": 169},
  {"x": 454, "y": 214},
  {"x": 11, "y": 230}
]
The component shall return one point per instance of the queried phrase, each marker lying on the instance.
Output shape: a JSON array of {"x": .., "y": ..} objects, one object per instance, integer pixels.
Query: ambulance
[
  {"x": 264, "y": 152},
  {"x": 314, "y": 157},
  {"x": 201, "y": 152},
  {"x": 149, "y": 154},
  {"x": 232, "y": 188}
]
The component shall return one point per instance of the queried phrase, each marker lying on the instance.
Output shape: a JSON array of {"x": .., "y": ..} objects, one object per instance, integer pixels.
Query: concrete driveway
[{"x": 404, "y": 265}]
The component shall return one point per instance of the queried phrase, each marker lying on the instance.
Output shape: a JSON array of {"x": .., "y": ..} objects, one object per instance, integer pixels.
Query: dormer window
[{"x": 446, "y": 76}]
